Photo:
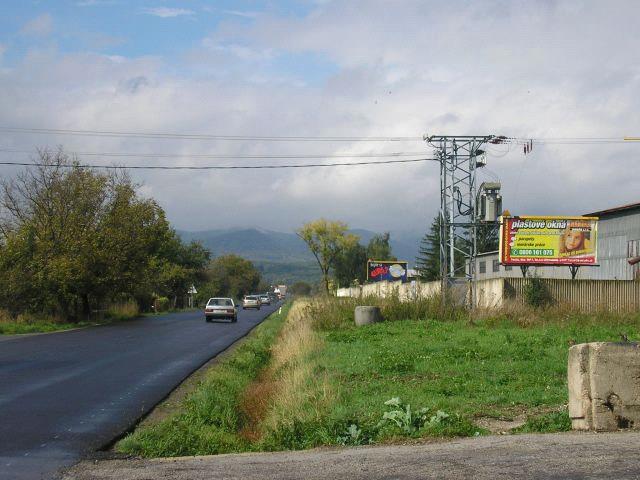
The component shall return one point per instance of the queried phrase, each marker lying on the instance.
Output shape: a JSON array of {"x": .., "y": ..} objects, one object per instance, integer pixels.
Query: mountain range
[{"x": 284, "y": 257}]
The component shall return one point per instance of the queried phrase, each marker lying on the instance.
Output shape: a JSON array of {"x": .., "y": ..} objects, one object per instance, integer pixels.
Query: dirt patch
[
  {"x": 254, "y": 405},
  {"x": 501, "y": 426}
]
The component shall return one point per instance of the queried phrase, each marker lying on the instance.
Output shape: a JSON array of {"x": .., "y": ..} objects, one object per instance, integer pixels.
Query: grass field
[{"x": 430, "y": 371}]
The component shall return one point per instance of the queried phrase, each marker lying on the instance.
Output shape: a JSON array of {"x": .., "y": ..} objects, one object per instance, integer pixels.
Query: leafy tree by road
[
  {"x": 379, "y": 247},
  {"x": 326, "y": 239},
  {"x": 350, "y": 265},
  {"x": 73, "y": 239},
  {"x": 230, "y": 275},
  {"x": 301, "y": 288}
]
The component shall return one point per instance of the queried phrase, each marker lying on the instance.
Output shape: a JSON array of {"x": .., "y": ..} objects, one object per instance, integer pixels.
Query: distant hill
[{"x": 283, "y": 256}]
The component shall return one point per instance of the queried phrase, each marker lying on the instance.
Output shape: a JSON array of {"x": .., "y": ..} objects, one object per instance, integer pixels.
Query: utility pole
[{"x": 460, "y": 157}]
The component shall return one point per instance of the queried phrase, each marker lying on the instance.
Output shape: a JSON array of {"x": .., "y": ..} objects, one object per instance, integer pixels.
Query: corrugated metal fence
[{"x": 586, "y": 295}]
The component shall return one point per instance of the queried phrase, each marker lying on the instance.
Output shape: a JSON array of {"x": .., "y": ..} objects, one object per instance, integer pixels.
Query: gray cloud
[{"x": 526, "y": 69}]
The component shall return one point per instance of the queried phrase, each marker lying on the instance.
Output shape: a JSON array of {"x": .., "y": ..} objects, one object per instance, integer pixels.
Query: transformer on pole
[{"x": 460, "y": 157}]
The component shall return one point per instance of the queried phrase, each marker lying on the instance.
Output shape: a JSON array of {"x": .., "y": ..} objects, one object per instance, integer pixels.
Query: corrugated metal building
[{"x": 618, "y": 240}]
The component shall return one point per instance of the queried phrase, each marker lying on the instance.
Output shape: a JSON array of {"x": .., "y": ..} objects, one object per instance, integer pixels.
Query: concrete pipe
[{"x": 366, "y": 315}]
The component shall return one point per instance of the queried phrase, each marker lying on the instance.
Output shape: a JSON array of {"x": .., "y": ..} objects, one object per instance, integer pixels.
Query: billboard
[
  {"x": 386, "y": 270},
  {"x": 529, "y": 240}
]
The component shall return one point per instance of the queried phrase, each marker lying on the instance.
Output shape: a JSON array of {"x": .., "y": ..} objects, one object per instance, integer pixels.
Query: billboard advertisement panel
[
  {"x": 529, "y": 240},
  {"x": 386, "y": 270}
]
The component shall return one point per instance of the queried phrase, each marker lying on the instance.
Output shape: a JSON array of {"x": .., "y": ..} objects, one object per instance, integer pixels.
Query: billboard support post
[
  {"x": 574, "y": 271},
  {"x": 460, "y": 157}
]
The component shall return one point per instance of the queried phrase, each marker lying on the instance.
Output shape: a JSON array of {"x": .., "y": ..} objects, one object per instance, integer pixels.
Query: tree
[
  {"x": 230, "y": 275},
  {"x": 350, "y": 265},
  {"x": 72, "y": 238},
  {"x": 487, "y": 237},
  {"x": 326, "y": 239},
  {"x": 428, "y": 260},
  {"x": 301, "y": 288},
  {"x": 379, "y": 248}
]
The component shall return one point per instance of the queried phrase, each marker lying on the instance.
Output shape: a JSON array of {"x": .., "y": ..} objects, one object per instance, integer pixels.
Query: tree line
[
  {"x": 343, "y": 259},
  {"x": 73, "y": 240}
]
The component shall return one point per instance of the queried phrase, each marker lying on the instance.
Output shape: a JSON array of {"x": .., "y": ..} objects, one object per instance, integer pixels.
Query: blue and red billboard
[{"x": 392, "y": 271}]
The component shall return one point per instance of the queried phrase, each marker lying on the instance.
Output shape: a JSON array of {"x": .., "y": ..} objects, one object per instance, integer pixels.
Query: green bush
[
  {"x": 536, "y": 293},
  {"x": 161, "y": 304}
]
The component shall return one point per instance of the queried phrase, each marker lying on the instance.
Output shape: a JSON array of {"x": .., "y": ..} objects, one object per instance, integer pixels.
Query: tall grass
[
  {"x": 123, "y": 310},
  {"x": 301, "y": 393},
  {"x": 523, "y": 315},
  {"x": 32, "y": 323},
  {"x": 329, "y": 313}
]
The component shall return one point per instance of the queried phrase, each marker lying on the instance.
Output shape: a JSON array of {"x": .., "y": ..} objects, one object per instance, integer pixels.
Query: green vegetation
[
  {"x": 78, "y": 247},
  {"x": 30, "y": 323},
  {"x": 327, "y": 239},
  {"x": 212, "y": 418},
  {"x": 73, "y": 241},
  {"x": 429, "y": 370},
  {"x": 301, "y": 289},
  {"x": 229, "y": 275},
  {"x": 339, "y": 254},
  {"x": 536, "y": 293},
  {"x": 350, "y": 265}
]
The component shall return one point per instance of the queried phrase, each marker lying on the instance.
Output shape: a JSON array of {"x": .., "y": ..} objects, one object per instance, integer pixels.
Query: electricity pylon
[{"x": 460, "y": 157}]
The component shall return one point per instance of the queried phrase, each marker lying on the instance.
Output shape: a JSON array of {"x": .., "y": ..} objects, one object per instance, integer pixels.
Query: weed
[
  {"x": 536, "y": 293},
  {"x": 557, "y": 421},
  {"x": 351, "y": 436}
]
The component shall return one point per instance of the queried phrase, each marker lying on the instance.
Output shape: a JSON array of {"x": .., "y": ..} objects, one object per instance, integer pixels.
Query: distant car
[
  {"x": 220, "y": 308},
  {"x": 251, "y": 301},
  {"x": 265, "y": 299}
]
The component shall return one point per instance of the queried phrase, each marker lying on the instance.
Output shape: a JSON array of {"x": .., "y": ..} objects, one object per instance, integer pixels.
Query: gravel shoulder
[{"x": 533, "y": 456}]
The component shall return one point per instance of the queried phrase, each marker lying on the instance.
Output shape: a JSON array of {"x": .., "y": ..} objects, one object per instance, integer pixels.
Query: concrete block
[
  {"x": 604, "y": 386},
  {"x": 366, "y": 315}
]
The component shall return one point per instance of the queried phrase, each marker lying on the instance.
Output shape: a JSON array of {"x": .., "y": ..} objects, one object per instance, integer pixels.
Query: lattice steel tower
[{"x": 460, "y": 157}]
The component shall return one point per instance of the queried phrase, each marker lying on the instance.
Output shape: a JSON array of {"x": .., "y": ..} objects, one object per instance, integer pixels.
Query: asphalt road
[{"x": 65, "y": 395}]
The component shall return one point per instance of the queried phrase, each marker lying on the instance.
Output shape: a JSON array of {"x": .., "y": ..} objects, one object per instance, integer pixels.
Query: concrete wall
[
  {"x": 584, "y": 295},
  {"x": 489, "y": 293}
]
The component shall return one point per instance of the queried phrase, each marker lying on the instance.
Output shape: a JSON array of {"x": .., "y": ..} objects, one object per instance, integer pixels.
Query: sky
[{"x": 527, "y": 69}]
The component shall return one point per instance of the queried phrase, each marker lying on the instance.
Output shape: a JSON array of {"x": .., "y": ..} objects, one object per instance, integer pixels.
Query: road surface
[
  {"x": 64, "y": 395},
  {"x": 526, "y": 457}
]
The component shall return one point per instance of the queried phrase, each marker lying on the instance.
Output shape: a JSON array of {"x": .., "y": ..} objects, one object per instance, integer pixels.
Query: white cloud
[
  {"x": 166, "y": 12},
  {"x": 41, "y": 26},
  {"x": 93, "y": 3},
  {"x": 528, "y": 69},
  {"x": 241, "y": 13}
]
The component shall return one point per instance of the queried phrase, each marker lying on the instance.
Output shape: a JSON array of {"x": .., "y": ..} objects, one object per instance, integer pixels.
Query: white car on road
[
  {"x": 221, "y": 308},
  {"x": 251, "y": 301}
]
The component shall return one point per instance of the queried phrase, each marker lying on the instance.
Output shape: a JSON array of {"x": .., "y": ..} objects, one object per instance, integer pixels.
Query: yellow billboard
[{"x": 531, "y": 240}]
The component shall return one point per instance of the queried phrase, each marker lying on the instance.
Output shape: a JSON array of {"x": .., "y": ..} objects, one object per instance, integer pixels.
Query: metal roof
[{"x": 622, "y": 208}]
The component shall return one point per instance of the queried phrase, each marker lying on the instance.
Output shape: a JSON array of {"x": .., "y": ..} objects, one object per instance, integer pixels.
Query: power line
[
  {"x": 230, "y": 157},
  {"x": 183, "y": 136},
  {"x": 217, "y": 167}
]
